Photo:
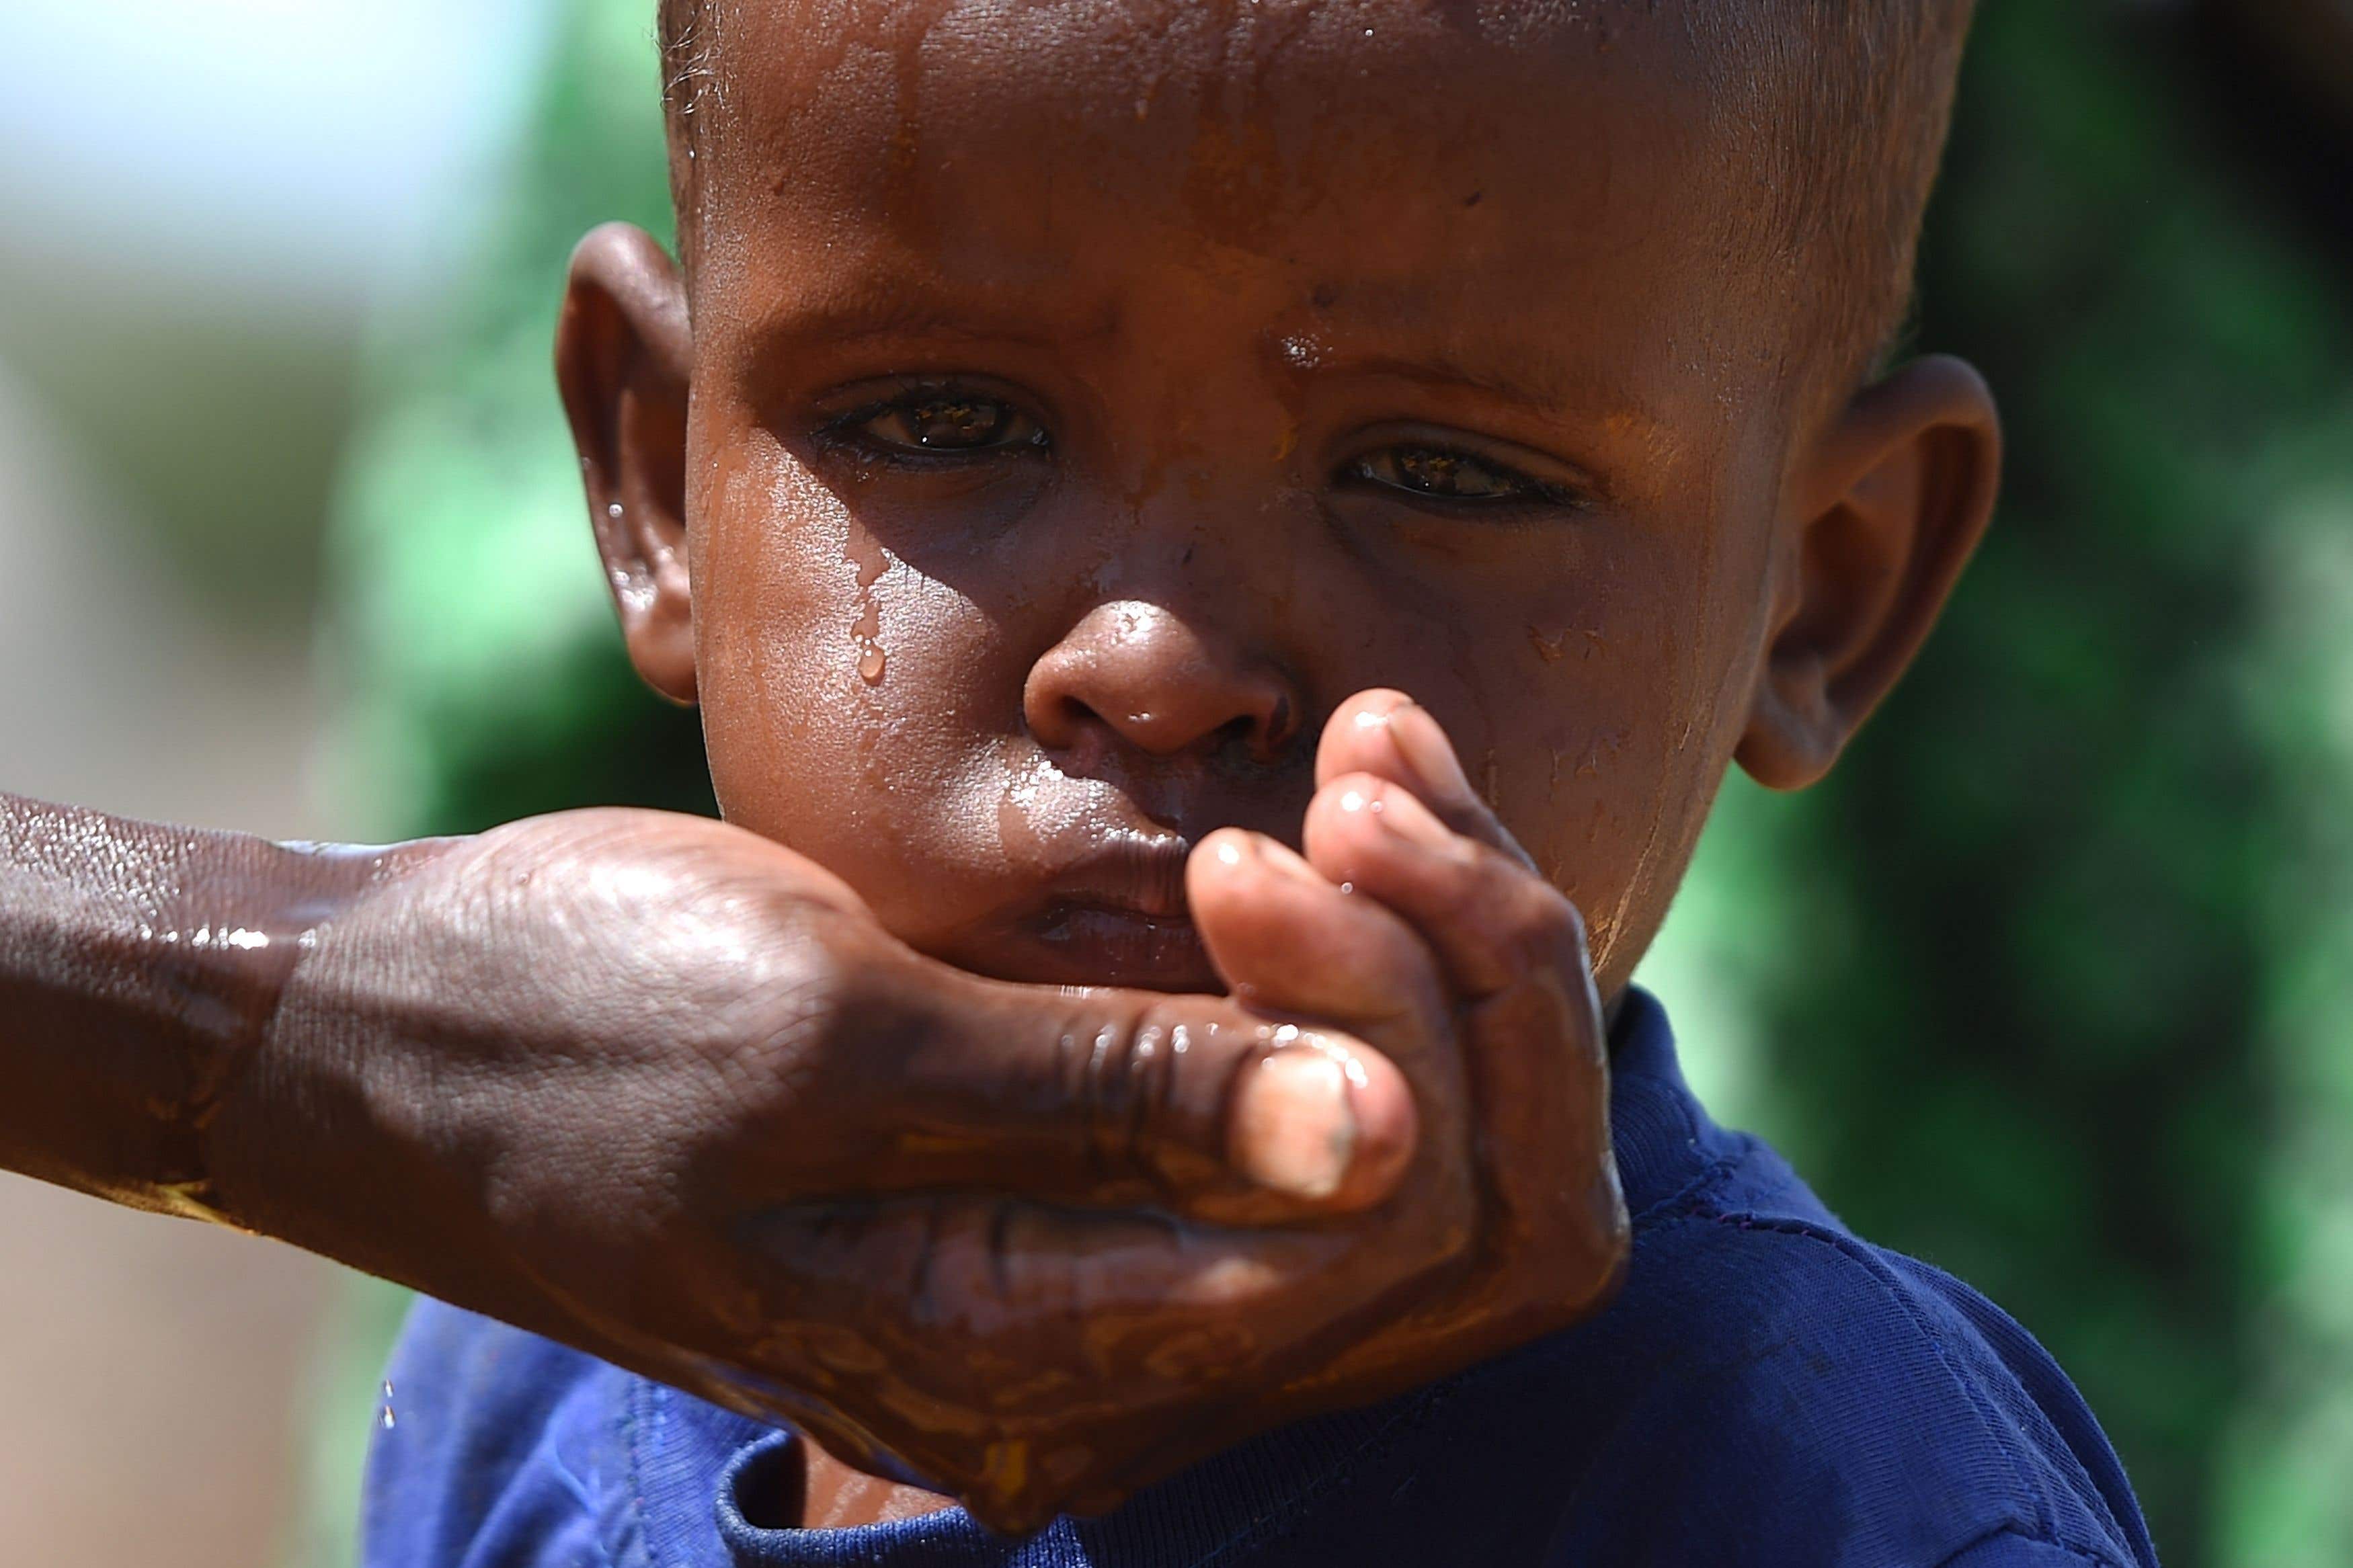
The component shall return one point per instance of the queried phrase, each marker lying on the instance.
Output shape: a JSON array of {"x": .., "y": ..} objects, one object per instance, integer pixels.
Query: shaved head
[
  {"x": 1838, "y": 109},
  {"x": 1850, "y": 100}
]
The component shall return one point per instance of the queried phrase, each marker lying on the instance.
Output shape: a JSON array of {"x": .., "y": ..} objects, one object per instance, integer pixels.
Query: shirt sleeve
[{"x": 2009, "y": 1549}]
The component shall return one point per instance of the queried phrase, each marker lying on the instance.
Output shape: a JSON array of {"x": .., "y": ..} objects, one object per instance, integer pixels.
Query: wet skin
[{"x": 1081, "y": 411}]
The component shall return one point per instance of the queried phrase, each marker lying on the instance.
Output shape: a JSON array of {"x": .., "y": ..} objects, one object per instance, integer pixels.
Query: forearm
[{"x": 139, "y": 965}]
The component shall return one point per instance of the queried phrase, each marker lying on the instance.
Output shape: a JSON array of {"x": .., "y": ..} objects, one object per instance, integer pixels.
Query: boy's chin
[{"x": 1069, "y": 942}]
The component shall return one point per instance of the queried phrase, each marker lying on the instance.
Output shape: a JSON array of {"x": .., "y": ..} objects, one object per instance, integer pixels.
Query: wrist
[
  {"x": 139, "y": 967},
  {"x": 240, "y": 919}
]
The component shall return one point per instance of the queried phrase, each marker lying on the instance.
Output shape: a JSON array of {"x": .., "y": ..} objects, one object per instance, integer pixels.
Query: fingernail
[
  {"x": 1429, "y": 755},
  {"x": 1294, "y": 1129}
]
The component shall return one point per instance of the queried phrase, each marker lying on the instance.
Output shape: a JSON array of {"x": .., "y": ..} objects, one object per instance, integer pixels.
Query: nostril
[
  {"x": 1281, "y": 722},
  {"x": 1239, "y": 734},
  {"x": 1253, "y": 735},
  {"x": 1264, "y": 734}
]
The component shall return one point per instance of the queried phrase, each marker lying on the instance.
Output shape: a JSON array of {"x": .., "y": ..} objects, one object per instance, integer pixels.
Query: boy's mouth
[{"x": 1115, "y": 915}]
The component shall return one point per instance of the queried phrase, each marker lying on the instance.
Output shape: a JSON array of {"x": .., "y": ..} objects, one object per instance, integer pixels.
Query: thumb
[{"x": 1113, "y": 1098}]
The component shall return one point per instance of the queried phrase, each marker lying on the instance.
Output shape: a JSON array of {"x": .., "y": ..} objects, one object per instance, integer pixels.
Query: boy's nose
[{"x": 1146, "y": 675}]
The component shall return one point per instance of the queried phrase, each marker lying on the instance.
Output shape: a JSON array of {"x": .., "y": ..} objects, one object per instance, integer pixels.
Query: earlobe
[
  {"x": 624, "y": 354},
  {"x": 1891, "y": 502}
]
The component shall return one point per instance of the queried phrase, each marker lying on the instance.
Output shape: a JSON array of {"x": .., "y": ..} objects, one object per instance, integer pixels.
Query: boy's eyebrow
[
  {"x": 1540, "y": 391},
  {"x": 888, "y": 306},
  {"x": 1535, "y": 382}
]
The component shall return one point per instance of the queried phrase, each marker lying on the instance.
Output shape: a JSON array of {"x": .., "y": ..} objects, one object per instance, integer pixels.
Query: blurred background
[{"x": 295, "y": 545}]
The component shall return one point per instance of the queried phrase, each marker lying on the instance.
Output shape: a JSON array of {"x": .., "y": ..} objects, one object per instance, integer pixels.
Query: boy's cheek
[
  {"x": 1593, "y": 802},
  {"x": 842, "y": 706},
  {"x": 1599, "y": 732}
]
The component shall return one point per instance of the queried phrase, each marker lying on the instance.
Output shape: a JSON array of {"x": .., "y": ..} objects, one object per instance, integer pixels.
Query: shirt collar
[{"x": 1662, "y": 1137}]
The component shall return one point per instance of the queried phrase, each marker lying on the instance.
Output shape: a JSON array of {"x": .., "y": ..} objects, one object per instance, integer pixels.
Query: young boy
[{"x": 1074, "y": 432}]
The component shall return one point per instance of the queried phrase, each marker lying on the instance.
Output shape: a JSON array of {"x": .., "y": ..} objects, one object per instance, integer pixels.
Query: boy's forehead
[{"x": 1392, "y": 156}]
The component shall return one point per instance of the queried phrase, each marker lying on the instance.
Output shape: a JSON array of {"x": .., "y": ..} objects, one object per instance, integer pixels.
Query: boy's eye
[
  {"x": 1446, "y": 475},
  {"x": 944, "y": 422}
]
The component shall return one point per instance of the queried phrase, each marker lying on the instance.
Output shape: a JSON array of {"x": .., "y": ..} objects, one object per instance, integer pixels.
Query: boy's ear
[
  {"x": 1897, "y": 494},
  {"x": 624, "y": 352}
]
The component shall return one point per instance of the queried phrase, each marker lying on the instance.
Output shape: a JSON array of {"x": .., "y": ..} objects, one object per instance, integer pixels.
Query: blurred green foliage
[
  {"x": 2052, "y": 984},
  {"x": 484, "y": 676}
]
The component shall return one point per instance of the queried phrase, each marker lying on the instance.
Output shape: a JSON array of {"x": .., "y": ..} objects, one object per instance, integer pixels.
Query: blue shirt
[{"x": 1766, "y": 1390}]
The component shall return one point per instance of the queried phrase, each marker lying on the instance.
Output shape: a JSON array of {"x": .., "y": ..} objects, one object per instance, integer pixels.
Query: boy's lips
[
  {"x": 1136, "y": 872},
  {"x": 1115, "y": 914}
]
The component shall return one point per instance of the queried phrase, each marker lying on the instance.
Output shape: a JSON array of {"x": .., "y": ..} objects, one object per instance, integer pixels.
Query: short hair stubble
[{"x": 1849, "y": 101}]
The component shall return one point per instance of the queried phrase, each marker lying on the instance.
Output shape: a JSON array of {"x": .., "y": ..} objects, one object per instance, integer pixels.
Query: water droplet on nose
[{"x": 871, "y": 664}]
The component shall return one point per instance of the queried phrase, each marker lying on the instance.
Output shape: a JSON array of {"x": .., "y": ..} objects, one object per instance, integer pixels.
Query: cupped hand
[{"x": 665, "y": 1091}]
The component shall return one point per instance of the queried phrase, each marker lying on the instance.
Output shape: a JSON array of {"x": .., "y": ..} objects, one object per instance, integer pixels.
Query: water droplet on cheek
[{"x": 864, "y": 636}]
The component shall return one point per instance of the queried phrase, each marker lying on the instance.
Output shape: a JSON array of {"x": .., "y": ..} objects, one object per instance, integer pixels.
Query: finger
[
  {"x": 1290, "y": 940},
  {"x": 1388, "y": 734},
  {"x": 1104, "y": 1097},
  {"x": 1514, "y": 948},
  {"x": 1294, "y": 944},
  {"x": 1491, "y": 920}
]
